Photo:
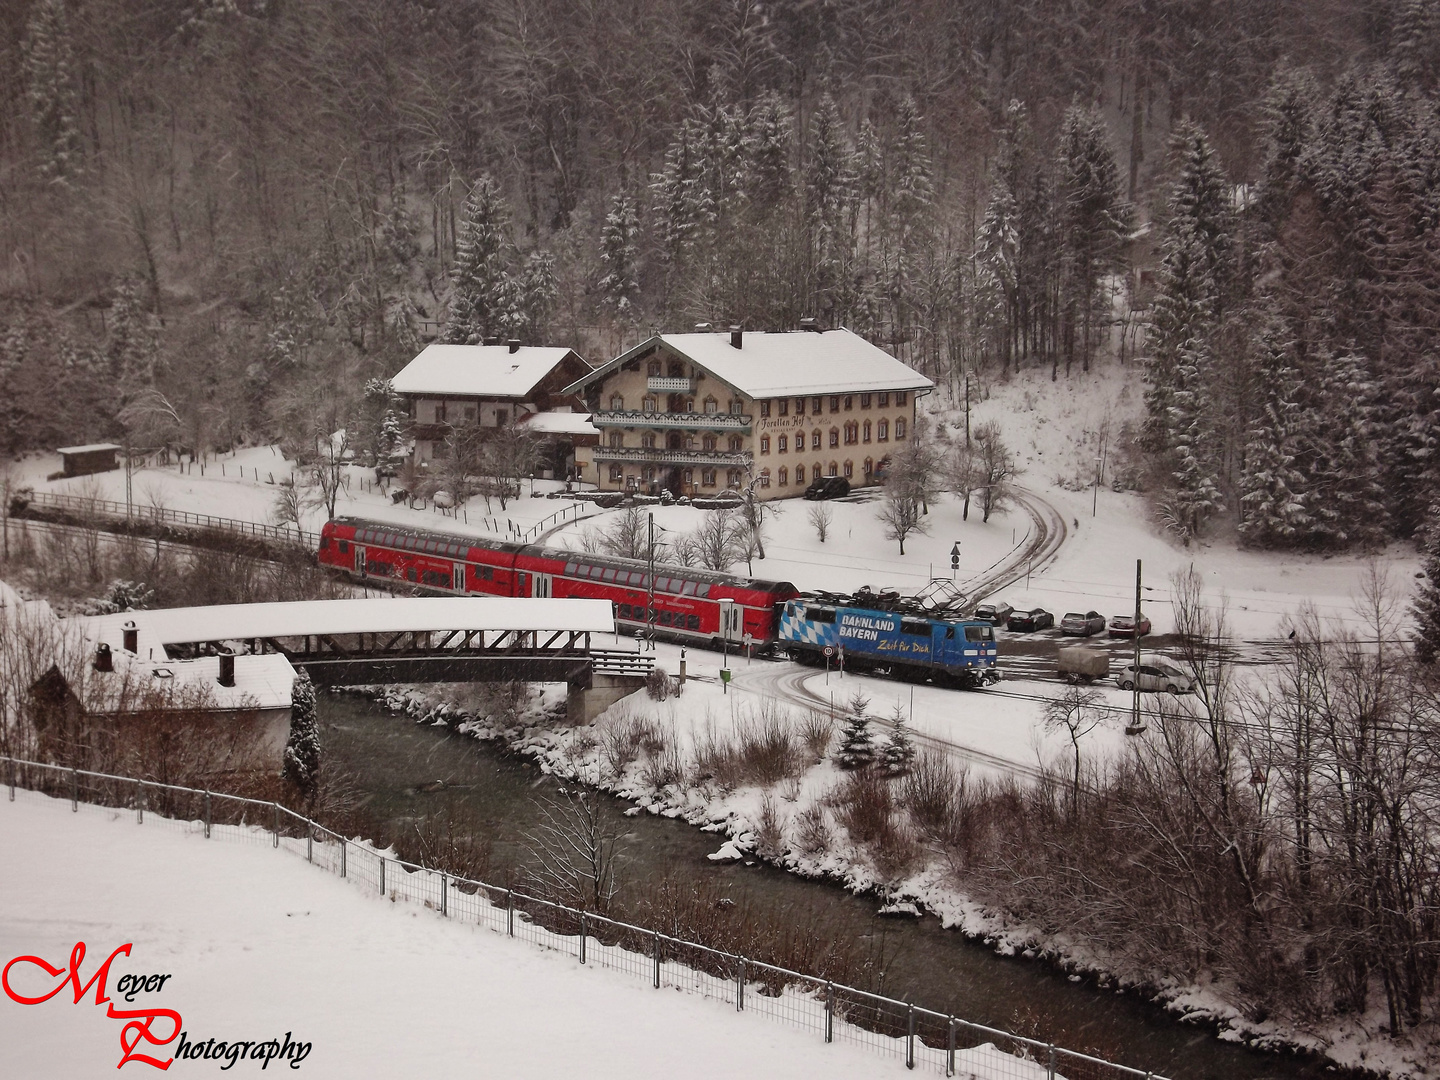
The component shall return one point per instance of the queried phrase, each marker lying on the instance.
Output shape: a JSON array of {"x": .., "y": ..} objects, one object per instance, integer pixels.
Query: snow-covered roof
[
  {"x": 559, "y": 423},
  {"x": 790, "y": 363},
  {"x": 262, "y": 681},
  {"x": 88, "y": 448},
  {"x": 226, "y": 622},
  {"x": 478, "y": 370}
]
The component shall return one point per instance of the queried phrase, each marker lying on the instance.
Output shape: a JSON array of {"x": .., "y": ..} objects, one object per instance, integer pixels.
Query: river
[{"x": 395, "y": 765}]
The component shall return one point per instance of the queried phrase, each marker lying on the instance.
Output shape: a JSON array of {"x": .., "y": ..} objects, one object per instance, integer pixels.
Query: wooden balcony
[{"x": 686, "y": 421}]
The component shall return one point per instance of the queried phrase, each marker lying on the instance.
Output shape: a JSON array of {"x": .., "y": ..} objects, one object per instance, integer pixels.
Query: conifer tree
[
  {"x": 51, "y": 88},
  {"x": 1195, "y": 488},
  {"x": 768, "y": 180},
  {"x": 1347, "y": 504},
  {"x": 619, "y": 286},
  {"x": 1272, "y": 487},
  {"x": 302, "y": 751},
  {"x": 1426, "y": 607},
  {"x": 482, "y": 294},
  {"x": 910, "y": 194},
  {"x": 857, "y": 744},
  {"x": 1093, "y": 221},
  {"x": 535, "y": 293},
  {"x": 899, "y": 749},
  {"x": 134, "y": 340},
  {"x": 830, "y": 194}
]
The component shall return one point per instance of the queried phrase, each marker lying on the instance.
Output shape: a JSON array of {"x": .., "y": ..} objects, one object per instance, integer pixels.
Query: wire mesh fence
[{"x": 920, "y": 1038}]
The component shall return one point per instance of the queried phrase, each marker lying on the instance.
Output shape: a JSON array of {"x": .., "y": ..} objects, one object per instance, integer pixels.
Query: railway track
[{"x": 786, "y": 682}]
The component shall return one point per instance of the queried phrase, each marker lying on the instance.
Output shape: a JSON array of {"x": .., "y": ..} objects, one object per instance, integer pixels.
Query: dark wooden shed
[{"x": 92, "y": 458}]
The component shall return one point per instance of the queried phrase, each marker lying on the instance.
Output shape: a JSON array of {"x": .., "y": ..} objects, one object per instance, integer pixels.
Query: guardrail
[
  {"x": 922, "y": 1038},
  {"x": 611, "y": 662},
  {"x": 81, "y": 509}
]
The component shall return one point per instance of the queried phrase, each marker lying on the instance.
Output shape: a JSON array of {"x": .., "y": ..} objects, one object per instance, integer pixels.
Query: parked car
[
  {"x": 1034, "y": 619},
  {"x": 828, "y": 487},
  {"x": 1092, "y": 622},
  {"x": 997, "y": 614},
  {"x": 1155, "y": 674},
  {"x": 1124, "y": 626}
]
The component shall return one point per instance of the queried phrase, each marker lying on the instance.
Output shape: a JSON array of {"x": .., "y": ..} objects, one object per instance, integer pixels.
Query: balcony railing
[
  {"x": 658, "y": 456},
  {"x": 691, "y": 421},
  {"x": 670, "y": 384}
]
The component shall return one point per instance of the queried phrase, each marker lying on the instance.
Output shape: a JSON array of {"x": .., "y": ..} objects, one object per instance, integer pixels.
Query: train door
[
  {"x": 457, "y": 578},
  {"x": 542, "y": 584},
  {"x": 359, "y": 560},
  {"x": 732, "y": 621},
  {"x": 522, "y": 583}
]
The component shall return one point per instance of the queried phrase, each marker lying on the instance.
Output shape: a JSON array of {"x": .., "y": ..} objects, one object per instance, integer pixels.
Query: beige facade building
[{"x": 702, "y": 413}]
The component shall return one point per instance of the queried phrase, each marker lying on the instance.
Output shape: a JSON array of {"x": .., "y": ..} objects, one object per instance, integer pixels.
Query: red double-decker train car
[{"x": 687, "y": 601}]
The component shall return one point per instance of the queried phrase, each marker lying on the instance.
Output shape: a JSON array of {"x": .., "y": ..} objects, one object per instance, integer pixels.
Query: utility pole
[
  {"x": 1136, "y": 727},
  {"x": 967, "y": 410}
]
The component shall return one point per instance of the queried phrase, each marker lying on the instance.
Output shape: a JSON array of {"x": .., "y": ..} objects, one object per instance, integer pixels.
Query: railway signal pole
[{"x": 1136, "y": 727}]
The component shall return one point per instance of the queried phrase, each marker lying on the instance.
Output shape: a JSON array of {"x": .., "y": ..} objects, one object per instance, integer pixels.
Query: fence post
[
  {"x": 582, "y": 937},
  {"x": 1050, "y": 1068},
  {"x": 276, "y": 807},
  {"x": 342, "y": 856},
  {"x": 950, "y": 1049},
  {"x": 10, "y": 768},
  {"x": 657, "y": 959},
  {"x": 740, "y": 985},
  {"x": 74, "y": 790},
  {"x": 910, "y": 1037},
  {"x": 444, "y": 895},
  {"x": 829, "y": 1012},
  {"x": 207, "y": 813},
  {"x": 510, "y": 912},
  {"x": 139, "y": 802},
  {"x": 309, "y": 841},
  {"x": 382, "y": 875}
]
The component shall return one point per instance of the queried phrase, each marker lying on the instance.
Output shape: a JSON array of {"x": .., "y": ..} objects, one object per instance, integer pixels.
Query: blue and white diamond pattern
[{"x": 794, "y": 628}]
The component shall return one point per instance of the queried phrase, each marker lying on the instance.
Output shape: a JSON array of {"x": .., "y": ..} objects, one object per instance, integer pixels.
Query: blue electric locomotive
[{"x": 906, "y": 644}]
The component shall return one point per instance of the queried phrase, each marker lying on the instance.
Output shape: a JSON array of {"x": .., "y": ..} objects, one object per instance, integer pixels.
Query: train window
[
  {"x": 486, "y": 573},
  {"x": 915, "y": 627},
  {"x": 410, "y": 573},
  {"x": 687, "y": 589},
  {"x": 702, "y": 590},
  {"x": 667, "y": 618},
  {"x": 820, "y": 614},
  {"x": 979, "y": 633},
  {"x": 624, "y": 611},
  {"x": 344, "y": 547},
  {"x": 949, "y": 633},
  {"x": 692, "y": 622},
  {"x": 570, "y": 569},
  {"x": 608, "y": 575}
]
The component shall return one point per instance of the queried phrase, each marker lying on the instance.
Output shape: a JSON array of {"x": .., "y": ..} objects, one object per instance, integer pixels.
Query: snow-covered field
[{"x": 258, "y": 945}]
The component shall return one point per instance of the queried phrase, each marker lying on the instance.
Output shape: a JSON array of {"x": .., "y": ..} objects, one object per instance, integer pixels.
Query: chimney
[
  {"x": 227, "y": 669},
  {"x": 103, "y": 662},
  {"x": 490, "y": 341},
  {"x": 514, "y": 344},
  {"x": 702, "y": 327},
  {"x": 810, "y": 324},
  {"x": 131, "y": 637},
  {"x": 735, "y": 333}
]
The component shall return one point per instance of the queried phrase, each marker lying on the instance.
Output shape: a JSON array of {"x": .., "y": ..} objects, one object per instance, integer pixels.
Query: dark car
[
  {"x": 1124, "y": 626},
  {"x": 1092, "y": 622},
  {"x": 995, "y": 614},
  {"x": 828, "y": 487},
  {"x": 1034, "y": 619}
]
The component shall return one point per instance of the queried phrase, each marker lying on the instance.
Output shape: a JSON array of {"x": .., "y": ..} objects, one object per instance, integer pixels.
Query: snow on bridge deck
[{"x": 229, "y": 622}]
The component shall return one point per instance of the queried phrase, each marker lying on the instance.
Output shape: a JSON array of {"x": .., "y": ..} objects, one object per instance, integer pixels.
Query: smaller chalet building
[
  {"x": 701, "y": 413},
  {"x": 494, "y": 386}
]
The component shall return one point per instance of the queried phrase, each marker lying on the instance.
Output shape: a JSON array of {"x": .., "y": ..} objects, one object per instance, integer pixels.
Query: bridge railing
[
  {"x": 922, "y": 1038},
  {"x": 611, "y": 662},
  {"x": 81, "y": 508}
]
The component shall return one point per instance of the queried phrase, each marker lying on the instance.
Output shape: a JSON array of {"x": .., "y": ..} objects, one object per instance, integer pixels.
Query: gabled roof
[
  {"x": 780, "y": 365},
  {"x": 491, "y": 371}
]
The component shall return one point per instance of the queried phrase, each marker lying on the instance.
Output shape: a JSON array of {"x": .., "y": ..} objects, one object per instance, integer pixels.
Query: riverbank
[{"x": 641, "y": 752}]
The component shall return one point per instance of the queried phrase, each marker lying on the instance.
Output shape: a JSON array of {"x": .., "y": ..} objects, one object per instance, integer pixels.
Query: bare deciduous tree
[
  {"x": 574, "y": 851},
  {"x": 821, "y": 517}
]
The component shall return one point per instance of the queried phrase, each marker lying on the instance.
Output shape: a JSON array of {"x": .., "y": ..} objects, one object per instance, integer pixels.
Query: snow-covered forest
[{"x": 221, "y": 218}]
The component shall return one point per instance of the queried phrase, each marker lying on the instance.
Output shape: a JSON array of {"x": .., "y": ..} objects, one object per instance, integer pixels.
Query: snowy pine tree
[
  {"x": 619, "y": 286},
  {"x": 1426, "y": 607},
  {"x": 302, "y": 751},
  {"x": 1094, "y": 219},
  {"x": 134, "y": 343},
  {"x": 899, "y": 750},
  {"x": 1272, "y": 487},
  {"x": 535, "y": 293},
  {"x": 830, "y": 194},
  {"x": 1194, "y": 484},
  {"x": 51, "y": 88},
  {"x": 482, "y": 295},
  {"x": 1347, "y": 505},
  {"x": 857, "y": 744}
]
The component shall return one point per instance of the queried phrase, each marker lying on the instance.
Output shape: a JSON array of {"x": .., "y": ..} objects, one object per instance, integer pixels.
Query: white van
[{"x": 1156, "y": 674}]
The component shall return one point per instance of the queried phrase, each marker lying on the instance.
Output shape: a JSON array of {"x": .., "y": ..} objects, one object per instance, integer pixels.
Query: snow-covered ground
[{"x": 258, "y": 945}]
